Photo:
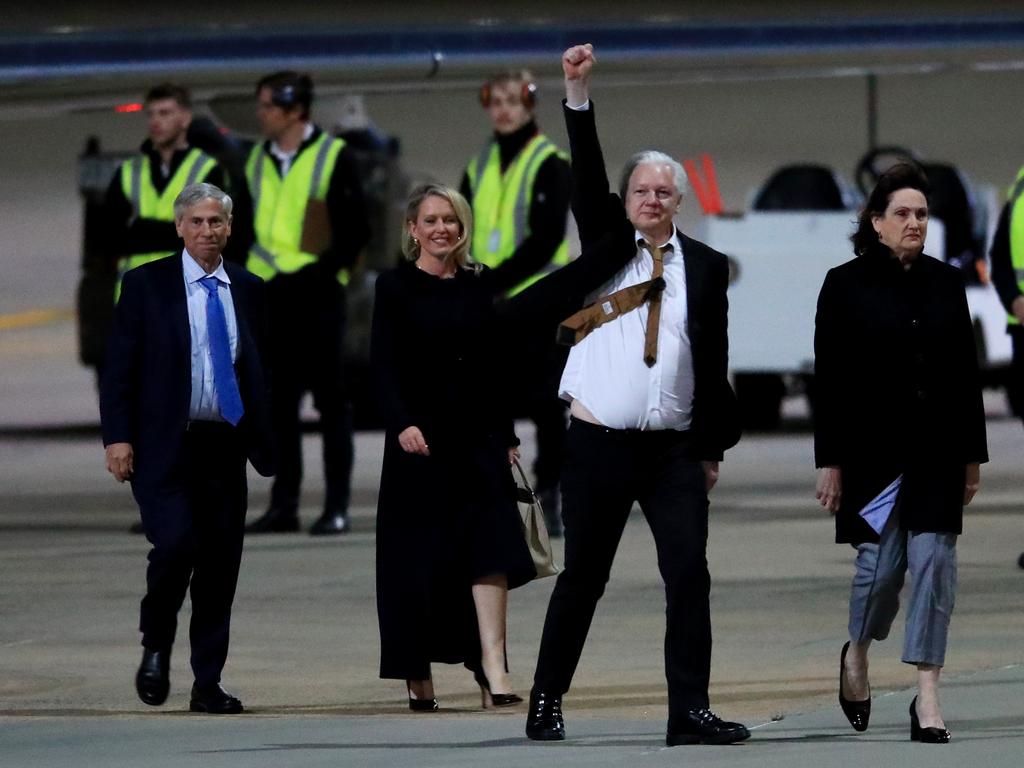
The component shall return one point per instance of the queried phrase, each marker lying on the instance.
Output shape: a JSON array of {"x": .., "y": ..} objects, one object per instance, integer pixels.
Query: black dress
[
  {"x": 897, "y": 390},
  {"x": 446, "y": 519}
]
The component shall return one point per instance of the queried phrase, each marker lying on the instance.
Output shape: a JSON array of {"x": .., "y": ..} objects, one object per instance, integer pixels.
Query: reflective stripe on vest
[
  {"x": 147, "y": 203},
  {"x": 279, "y": 205},
  {"x": 501, "y": 204}
]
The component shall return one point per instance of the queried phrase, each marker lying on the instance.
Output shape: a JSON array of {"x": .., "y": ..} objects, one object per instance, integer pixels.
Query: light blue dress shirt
[{"x": 203, "y": 405}]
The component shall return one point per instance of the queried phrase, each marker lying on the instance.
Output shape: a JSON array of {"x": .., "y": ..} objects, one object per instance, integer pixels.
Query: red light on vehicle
[{"x": 134, "y": 106}]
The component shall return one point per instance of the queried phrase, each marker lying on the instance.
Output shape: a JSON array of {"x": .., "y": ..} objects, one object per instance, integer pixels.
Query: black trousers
[
  {"x": 307, "y": 320},
  {"x": 1015, "y": 388},
  {"x": 607, "y": 471},
  {"x": 195, "y": 518}
]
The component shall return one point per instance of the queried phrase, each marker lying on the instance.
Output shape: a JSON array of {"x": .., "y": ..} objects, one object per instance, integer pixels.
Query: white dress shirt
[
  {"x": 606, "y": 371},
  {"x": 286, "y": 158},
  {"x": 203, "y": 404}
]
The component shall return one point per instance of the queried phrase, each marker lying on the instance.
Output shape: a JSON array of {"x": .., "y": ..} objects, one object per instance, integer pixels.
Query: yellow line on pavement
[{"x": 34, "y": 317}]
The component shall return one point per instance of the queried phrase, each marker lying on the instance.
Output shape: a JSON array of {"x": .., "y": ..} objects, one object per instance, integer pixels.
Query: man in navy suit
[{"x": 184, "y": 402}]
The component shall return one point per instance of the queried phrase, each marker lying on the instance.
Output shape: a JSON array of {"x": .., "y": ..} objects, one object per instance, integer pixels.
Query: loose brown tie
[{"x": 653, "y": 309}]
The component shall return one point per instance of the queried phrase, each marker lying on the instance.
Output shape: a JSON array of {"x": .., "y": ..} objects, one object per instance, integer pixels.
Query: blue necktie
[{"x": 220, "y": 350}]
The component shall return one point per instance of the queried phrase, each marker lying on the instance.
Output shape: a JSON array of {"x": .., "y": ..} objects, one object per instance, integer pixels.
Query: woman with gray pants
[{"x": 899, "y": 437}]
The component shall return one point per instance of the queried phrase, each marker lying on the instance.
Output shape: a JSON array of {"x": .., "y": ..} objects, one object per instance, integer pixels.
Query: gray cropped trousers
[{"x": 875, "y": 595}]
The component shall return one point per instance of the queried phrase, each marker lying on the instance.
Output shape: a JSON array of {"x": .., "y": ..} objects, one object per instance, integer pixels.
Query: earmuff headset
[
  {"x": 291, "y": 94},
  {"x": 527, "y": 94}
]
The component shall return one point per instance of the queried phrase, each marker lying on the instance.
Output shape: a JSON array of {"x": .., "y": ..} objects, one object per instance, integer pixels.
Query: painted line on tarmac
[{"x": 33, "y": 318}]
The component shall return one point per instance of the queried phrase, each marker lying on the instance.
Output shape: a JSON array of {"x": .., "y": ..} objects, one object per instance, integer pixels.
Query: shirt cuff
[{"x": 580, "y": 108}]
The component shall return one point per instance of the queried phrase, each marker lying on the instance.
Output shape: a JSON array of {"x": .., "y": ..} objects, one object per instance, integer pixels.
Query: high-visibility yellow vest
[
  {"x": 147, "y": 203},
  {"x": 501, "y": 204},
  {"x": 279, "y": 205},
  {"x": 1016, "y": 196}
]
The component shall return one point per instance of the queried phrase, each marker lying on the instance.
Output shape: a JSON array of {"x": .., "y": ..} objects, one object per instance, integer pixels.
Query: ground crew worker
[
  {"x": 139, "y": 207},
  {"x": 309, "y": 223},
  {"x": 1007, "y": 257},
  {"x": 519, "y": 188}
]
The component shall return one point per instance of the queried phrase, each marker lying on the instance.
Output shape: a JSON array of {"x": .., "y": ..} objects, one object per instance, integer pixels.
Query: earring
[{"x": 416, "y": 240}]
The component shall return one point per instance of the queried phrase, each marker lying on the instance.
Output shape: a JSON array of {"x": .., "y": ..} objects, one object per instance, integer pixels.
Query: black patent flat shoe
[
  {"x": 928, "y": 735},
  {"x": 857, "y": 712}
]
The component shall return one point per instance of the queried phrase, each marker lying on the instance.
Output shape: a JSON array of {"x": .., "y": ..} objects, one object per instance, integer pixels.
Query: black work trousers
[
  {"x": 307, "y": 321},
  {"x": 606, "y": 471},
  {"x": 194, "y": 517}
]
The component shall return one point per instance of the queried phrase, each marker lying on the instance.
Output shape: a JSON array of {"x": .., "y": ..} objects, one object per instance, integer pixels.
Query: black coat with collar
[
  {"x": 147, "y": 382},
  {"x": 603, "y": 226},
  {"x": 897, "y": 390}
]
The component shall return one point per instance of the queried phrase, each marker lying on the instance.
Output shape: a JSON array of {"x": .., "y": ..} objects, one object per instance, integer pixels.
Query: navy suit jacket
[{"x": 147, "y": 382}]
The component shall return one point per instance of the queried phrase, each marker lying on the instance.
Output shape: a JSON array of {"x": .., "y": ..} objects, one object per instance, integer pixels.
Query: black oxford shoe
[
  {"x": 213, "y": 700},
  {"x": 329, "y": 524},
  {"x": 275, "y": 520},
  {"x": 702, "y": 726},
  {"x": 544, "y": 721},
  {"x": 152, "y": 681}
]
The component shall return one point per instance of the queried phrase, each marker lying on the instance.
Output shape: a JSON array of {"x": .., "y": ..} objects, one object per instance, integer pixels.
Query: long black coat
[{"x": 897, "y": 390}]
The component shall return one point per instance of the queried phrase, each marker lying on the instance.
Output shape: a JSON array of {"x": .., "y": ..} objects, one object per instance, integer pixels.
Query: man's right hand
[
  {"x": 120, "y": 461},
  {"x": 577, "y": 62}
]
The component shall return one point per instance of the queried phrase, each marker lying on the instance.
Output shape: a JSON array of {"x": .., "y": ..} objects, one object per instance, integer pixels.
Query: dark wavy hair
[{"x": 900, "y": 176}]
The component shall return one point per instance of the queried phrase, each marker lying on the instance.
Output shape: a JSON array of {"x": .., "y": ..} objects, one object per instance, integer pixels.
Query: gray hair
[
  {"x": 653, "y": 157},
  {"x": 194, "y": 194}
]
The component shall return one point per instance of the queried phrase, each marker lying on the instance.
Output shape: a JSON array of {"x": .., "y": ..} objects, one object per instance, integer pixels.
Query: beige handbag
[{"x": 536, "y": 533}]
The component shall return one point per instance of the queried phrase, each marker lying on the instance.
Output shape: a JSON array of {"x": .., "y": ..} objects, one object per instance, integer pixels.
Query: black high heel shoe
[
  {"x": 496, "y": 700},
  {"x": 930, "y": 735},
  {"x": 421, "y": 705},
  {"x": 857, "y": 712}
]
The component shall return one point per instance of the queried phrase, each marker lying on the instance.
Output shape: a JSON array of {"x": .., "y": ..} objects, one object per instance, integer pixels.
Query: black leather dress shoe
[
  {"x": 214, "y": 700},
  {"x": 702, "y": 726},
  {"x": 275, "y": 520},
  {"x": 544, "y": 721},
  {"x": 329, "y": 524},
  {"x": 152, "y": 681}
]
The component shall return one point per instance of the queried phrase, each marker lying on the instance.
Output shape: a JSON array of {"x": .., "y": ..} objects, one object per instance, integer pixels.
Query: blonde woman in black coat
[{"x": 899, "y": 426}]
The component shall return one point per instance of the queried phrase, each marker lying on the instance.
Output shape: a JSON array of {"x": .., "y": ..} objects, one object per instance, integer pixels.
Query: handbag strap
[{"x": 522, "y": 476}]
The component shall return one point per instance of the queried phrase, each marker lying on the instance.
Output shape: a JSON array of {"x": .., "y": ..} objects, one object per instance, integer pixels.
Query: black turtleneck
[
  {"x": 510, "y": 144},
  {"x": 549, "y": 209}
]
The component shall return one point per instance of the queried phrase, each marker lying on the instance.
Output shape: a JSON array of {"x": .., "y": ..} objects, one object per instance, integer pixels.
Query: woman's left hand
[
  {"x": 513, "y": 455},
  {"x": 972, "y": 482}
]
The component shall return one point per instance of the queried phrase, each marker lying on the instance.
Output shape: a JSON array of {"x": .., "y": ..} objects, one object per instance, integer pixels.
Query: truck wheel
[{"x": 760, "y": 400}]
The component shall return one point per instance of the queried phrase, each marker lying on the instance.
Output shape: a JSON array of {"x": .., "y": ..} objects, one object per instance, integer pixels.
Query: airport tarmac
[{"x": 304, "y": 639}]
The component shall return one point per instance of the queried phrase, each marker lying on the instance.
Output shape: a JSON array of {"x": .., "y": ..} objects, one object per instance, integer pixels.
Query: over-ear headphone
[
  {"x": 527, "y": 93},
  {"x": 291, "y": 94}
]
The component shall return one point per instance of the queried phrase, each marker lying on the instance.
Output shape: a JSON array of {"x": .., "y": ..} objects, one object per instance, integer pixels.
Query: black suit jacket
[
  {"x": 147, "y": 382},
  {"x": 897, "y": 390},
  {"x": 603, "y": 226}
]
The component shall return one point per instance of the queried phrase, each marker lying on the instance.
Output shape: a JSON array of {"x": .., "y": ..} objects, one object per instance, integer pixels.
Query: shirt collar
[
  {"x": 280, "y": 154},
  {"x": 194, "y": 273},
  {"x": 670, "y": 245}
]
